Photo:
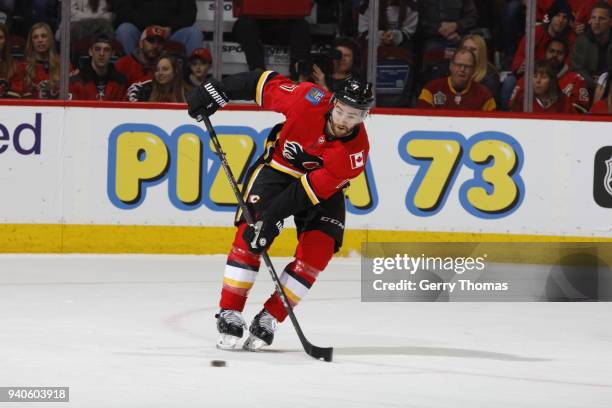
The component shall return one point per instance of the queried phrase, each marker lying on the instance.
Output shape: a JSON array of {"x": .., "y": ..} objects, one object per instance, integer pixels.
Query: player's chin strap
[{"x": 320, "y": 353}]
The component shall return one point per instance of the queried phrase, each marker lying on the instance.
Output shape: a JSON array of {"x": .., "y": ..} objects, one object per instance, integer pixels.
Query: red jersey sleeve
[{"x": 280, "y": 94}]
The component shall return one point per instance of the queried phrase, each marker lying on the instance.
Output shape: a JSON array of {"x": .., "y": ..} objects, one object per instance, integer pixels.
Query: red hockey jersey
[
  {"x": 334, "y": 160},
  {"x": 40, "y": 88},
  {"x": 561, "y": 105},
  {"x": 87, "y": 85},
  {"x": 572, "y": 85}
]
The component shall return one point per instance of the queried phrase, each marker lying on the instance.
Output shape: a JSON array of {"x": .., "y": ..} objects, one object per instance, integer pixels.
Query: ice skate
[
  {"x": 230, "y": 325},
  {"x": 261, "y": 331}
]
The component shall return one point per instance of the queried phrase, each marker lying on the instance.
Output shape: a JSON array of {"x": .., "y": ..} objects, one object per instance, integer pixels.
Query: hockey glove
[
  {"x": 260, "y": 236},
  {"x": 206, "y": 99}
]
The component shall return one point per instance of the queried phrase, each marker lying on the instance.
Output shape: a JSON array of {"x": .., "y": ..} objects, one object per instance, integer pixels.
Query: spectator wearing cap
[
  {"x": 200, "y": 61},
  {"x": 559, "y": 15},
  {"x": 581, "y": 8},
  {"x": 178, "y": 17},
  {"x": 593, "y": 50},
  {"x": 139, "y": 66},
  {"x": 99, "y": 80},
  {"x": 458, "y": 91},
  {"x": 513, "y": 23}
]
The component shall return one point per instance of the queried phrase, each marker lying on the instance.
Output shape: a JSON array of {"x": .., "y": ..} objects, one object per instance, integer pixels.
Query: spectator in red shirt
[
  {"x": 547, "y": 95},
  {"x": 98, "y": 79},
  {"x": 140, "y": 65},
  {"x": 571, "y": 83},
  {"x": 38, "y": 76},
  {"x": 458, "y": 91},
  {"x": 560, "y": 15},
  {"x": 7, "y": 65}
]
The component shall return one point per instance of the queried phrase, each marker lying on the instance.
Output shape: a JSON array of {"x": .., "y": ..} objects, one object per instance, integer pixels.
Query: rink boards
[{"x": 83, "y": 179}]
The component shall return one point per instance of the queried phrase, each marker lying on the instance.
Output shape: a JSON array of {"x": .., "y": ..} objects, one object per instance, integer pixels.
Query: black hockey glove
[
  {"x": 260, "y": 236},
  {"x": 206, "y": 99}
]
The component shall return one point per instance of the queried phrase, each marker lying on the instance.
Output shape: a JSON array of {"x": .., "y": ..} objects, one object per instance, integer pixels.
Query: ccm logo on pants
[{"x": 333, "y": 221}]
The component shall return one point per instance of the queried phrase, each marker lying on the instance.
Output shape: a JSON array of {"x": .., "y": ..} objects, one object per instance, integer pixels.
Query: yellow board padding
[{"x": 116, "y": 239}]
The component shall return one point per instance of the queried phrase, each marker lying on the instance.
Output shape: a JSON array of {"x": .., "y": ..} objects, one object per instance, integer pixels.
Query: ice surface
[{"x": 139, "y": 331}]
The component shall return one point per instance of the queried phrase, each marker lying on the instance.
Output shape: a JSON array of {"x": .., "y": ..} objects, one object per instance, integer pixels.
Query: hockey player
[{"x": 312, "y": 156}]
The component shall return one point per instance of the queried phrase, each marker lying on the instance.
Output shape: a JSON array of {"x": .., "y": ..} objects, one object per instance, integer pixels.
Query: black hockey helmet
[{"x": 356, "y": 94}]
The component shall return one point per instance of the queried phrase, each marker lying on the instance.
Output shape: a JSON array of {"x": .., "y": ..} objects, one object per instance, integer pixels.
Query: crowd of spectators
[{"x": 432, "y": 54}]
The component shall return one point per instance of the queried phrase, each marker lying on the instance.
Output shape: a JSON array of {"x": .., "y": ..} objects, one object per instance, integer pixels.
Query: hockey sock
[
  {"x": 240, "y": 273},
  {"x": 313, "y": 253}
]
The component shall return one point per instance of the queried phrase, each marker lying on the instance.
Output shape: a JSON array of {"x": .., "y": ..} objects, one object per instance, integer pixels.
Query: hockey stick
[{"x": 319, "y": 353}]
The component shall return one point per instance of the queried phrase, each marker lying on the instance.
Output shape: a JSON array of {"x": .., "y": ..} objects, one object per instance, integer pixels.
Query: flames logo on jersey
[{"x": 294, "y": 153}]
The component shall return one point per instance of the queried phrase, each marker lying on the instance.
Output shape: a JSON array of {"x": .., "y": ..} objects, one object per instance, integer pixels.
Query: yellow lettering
[
  {"x": 505, "y": 191},
  {"x": 141, "y": 156},
  {"x": 238, "y": 149},
  {"x": 444, "y": 155},
  {"x": 189, "y": 168}
]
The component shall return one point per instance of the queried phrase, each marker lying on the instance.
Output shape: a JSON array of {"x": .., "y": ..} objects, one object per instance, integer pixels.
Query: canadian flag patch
[{"x": 357, "y": 160}]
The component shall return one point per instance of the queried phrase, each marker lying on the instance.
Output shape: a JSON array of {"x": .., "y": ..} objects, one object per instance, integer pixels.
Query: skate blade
[
  {"x": 254, "y": 344},
  {"x": 227, "y": 342}
]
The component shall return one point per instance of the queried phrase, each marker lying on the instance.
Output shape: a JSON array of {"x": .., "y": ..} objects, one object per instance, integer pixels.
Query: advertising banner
[{"x": 455, "y": 175}]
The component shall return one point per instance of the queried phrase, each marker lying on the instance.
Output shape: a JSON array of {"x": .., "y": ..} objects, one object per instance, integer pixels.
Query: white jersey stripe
[
  {"x": 293, "y": 285},
  {"x": 239, "y": 274}
]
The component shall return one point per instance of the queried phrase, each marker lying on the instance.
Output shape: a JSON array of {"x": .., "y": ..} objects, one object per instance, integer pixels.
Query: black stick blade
[{"x": 321, "y": 353}]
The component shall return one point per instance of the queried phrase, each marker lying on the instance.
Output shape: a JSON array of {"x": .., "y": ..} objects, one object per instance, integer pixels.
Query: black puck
[{"x": 218, "y": 363}]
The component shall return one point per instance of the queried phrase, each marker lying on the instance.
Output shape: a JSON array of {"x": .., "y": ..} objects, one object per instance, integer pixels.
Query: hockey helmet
[{"x": 356, "y": 94}]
